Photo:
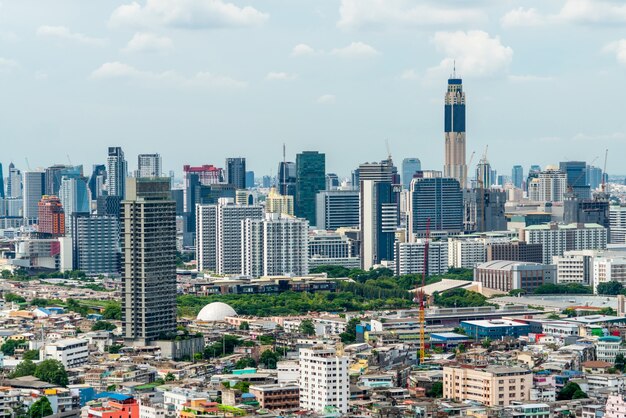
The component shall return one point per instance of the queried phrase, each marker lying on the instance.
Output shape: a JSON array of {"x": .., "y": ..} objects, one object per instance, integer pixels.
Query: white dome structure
[{"x": 215, "y": 311}]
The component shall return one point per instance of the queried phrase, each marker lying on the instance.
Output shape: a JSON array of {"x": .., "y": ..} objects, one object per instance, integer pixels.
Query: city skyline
[{"x": 147, "y": 79}]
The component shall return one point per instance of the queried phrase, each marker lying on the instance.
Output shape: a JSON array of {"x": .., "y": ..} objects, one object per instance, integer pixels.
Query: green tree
[
  {"x": 306, "y": 327},
  {"x": 31, "y": 355},
  {"x": 52, "y": 371},
  {"x": 266, "y": 339},
  {"x": 5, "y": 274},
  {"x": 554, "y": 315},
  {"x": 568, "y": 391},
  {"x": 41, "y": 408},
  {"x": 169, "y": 377},
  {"x": 516, "y": 292},
  {"x": 242, "y": 363},
  {"x": 115, "y": 348},
  {"x": 459, "y": 298},
  {"x": 12, "y": 297},
  {"x": 112, "y": 311},
  {"x": 103, "y": 326},
  {"x": 244, "y": 326},
  {"x": 609, "y": 288},
  {"x": 269, "y": 359},
  {"x": 620, "y": 362},
  {"x": 39, "y": 302},
  {"x": 24, "y": 368},
  {"x": 244, "y": 387},
  {"x": 9, "y": 346},
  {"x": 436, "y": 390},
  {"x": 579, "y": 394},
  {"x": 486, "y": 343},
  {"x": 349, "y": 336},
  {"x": 226, "y": 345}
]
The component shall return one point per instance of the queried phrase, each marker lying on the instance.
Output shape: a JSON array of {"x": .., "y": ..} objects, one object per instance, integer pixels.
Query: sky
[{"x": 201, "y": 80}]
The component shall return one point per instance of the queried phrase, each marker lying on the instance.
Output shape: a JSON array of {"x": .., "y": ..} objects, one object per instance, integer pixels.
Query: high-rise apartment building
[
  {"x": 96, "y": 244},
  {"x": 74, "y": 196},
  {"x": 409, "y": 257},
  {"x": 337, "y": 209},
  {"x": 439, "y": 200},
  {"x": 379, "y": 211},
  {"x": 236, "y": 172},
  {"x": 51, "y": 218},
  {"x": 149, "y": 165},
  {"x": 55, "y": 174},
  {"x": 410, "y": 167},
  {"x": 617, "y": 219},
  {"x": 1, "y": 183},
  {"x": 34, "y": 186},
  {"x": 558, "y": 238},
  {"x": 275, "y": 246},
  {"x": 576, "y": 172},
  {"x": 484, "y": 175},
  {"x": 517, "y": 176},
  {"x": 332, "y": 248},
  {"x": 277, "y": 203},
  {"x": 148, "y": 260},
  {"x": 14, "y": 182},
  {"x": 324, "y": 380},
  {"x": 454, "y": 127},
  {"x": 490, "y": 386},
  {"x": 310, "y": 179},
  {"x": 549, "y": 185},
  {"x": 117, "y": 170},
  {"x": 219, "y": 233}
]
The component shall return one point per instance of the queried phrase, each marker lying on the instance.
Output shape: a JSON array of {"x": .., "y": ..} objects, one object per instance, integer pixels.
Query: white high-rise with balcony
[{"x": 324, "y": 380}]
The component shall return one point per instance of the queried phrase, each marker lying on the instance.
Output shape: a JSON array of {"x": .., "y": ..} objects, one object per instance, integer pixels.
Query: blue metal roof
[{"x": 113, "y": 395}]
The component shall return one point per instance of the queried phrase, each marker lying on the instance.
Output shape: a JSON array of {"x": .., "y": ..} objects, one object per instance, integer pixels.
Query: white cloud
[
  {"x": 355, "y": 14},
  {"x": 7, "y": 65},
  {"x": 355, "y": 50},
  {"x": 280, "y": 76},
  {"x": 190, "y": 14},
  {"x": 41, "y": 76},
  {"x": 301, "y": 50},
  {"x": 528, "y": 78},
  {"x": 475, "y": 52},
  {"x": 410, "y": 74},
  {"x": 589, "y": 12},
  {"x": 599, "y": 137},
  {"x": 522, "y": 17},
  {"x": 148, "y": 42},
  {"x": 619, "y": 49},
  {"x": 61, "y": 32},
  {"x": 118, "y": 70},
  {"x": 326, "y": 99}
]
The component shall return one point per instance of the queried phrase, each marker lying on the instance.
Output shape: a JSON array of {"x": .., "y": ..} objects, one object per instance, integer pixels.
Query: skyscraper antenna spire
[{"x": 454, "y": 69}]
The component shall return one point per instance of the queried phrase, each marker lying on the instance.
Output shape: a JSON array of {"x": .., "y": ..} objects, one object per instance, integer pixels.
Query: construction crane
[
  {"x": 481, "y": 186},
  {"x": 422, "y": 312},
  {"x": 604, "y": 185}
]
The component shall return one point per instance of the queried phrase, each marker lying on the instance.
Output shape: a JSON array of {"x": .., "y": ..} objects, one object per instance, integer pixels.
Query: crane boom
[
  {"x": 606, "y": 154},
  {"x": 422, "y": 312}
]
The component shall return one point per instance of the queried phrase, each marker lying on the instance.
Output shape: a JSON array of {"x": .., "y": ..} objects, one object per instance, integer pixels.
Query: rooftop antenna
[
  {"x": 454, "y": 68},
  {"x": 388, "y": 149}
]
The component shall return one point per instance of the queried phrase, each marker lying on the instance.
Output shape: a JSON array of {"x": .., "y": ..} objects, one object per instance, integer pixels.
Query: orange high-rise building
[{"x": 51, "y": 216}]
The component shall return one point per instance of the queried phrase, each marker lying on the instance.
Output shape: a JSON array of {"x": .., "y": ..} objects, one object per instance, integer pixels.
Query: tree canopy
[
  {"x": 609, "y": 288},
  {"x": 459, "y": 298}
]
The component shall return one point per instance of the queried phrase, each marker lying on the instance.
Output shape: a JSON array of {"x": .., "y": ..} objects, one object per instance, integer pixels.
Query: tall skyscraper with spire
[{"x": 454, "y": 127}]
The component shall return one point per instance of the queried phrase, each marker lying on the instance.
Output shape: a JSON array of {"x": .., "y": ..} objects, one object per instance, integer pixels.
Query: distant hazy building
[
  {"x": 14, "y": 182},
  {"x": 409, "y": 257},
  {"x": 576, "y": 172},
  {"x": 594, "y": 177},
  {"x": 277, "y": 203},
  {"x": 236, "y": 172},
  {"x": 517, "y": 176},
  {"x": 74, "y": 196},
  {"x": 337, "y": 209},
  {"x": 286, "y": 178},
  {"x": 585, "y": 211},
  {"x": 51, "y": 217},
  {"x": 250, "y": 180},
  {"x": 149, "y": 165},
  {"x": 97, "y": 181},
  {"x": 310, "y": 179},
  {"x": 332, "y": 181},
  {"x": 275, "y": 246},
  {"x": 558, "y": 238},
  {"x": 34, "y": 186},
  {"x": 550, "y": 185},
  {"x": 438, "y": 201},
  {"x": 483, "y": 210},
  {"x": 219, "y": 235},
  {"x": 410, "y": 166},
  {"x": 117, "y": 170},
  {"x": 148, "y": 260},
  {"x": 379, "y": 208}
]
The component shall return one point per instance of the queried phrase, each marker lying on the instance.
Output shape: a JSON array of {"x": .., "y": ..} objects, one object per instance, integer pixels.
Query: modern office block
[
  {"x": 310, "y": 179},
  {"x": 34, "y": 186},
  {"x": 96, "y": 244},
  {"x": 410, "y": 167},
  {"x": 149, "y": 165},
  {"x": 235, "y": 171},
  {"x": 509, "y": 275},
  {"x": 438, "y": 201},
  {"x": 517, "y": 176},
  {"x": 337, "y": 209},
  {"x": 97, "y": 181},
  {"x": 576, "y": 172}
]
